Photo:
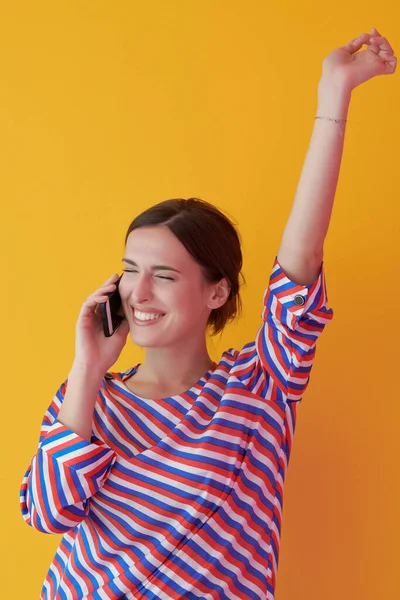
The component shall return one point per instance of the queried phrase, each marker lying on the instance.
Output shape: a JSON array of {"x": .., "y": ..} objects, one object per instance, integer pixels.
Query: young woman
[{"x": 167, "y": 479}]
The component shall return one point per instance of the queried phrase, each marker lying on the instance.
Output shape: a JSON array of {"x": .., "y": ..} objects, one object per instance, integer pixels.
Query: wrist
[
  {"x": 81, "y": 371},
  {"x": 333, "y": 99}
]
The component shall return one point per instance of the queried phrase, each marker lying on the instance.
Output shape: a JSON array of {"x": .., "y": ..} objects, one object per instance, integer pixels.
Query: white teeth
[{"x": 146, "y": 316}]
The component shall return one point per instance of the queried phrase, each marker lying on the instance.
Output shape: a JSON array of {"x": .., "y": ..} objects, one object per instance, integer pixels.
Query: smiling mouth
[{"x": 150, "y": 319}]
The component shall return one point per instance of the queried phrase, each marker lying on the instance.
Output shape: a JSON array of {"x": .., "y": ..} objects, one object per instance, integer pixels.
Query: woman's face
[{"x": 179, "y": 292}]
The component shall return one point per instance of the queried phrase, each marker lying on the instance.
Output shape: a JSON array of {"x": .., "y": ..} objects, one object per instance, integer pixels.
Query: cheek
[
  {"x": 186, "y": 297},
  {"x": 124, "y": 296},
  {"x": 190, "y": 305},
  {"x": 123, "y": 287}
]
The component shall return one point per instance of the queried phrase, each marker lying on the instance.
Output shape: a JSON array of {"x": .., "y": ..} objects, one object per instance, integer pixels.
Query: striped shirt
[{"x": 180, "y": 497}]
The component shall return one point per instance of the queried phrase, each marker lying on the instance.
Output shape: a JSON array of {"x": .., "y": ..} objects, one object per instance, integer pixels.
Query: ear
[{"x": 219, "y": 294}]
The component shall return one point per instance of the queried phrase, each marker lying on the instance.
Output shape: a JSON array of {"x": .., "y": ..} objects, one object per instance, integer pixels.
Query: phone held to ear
[{"x": 111, "y": 311}]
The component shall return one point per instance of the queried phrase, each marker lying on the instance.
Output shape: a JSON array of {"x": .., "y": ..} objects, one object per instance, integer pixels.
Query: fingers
[
  {"x": 109, "y": 284},
  {"x": 391, "y": 65},
  {"x": 376, "y": 42},
  {"x": 356, "y": 44},
  {"x": 103, "y": 290},
  {"x": 113, "y": 277},
  {"x": 382, "y": 43},
  {"x": 99, "y": 296}
]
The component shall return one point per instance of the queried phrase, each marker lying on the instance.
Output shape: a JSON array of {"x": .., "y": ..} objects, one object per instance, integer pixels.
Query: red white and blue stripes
[{"x": 180, "y": 497}]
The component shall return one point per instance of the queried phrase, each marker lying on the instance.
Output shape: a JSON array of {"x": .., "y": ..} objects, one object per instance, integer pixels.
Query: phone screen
[{"x": 111, "y": 311}]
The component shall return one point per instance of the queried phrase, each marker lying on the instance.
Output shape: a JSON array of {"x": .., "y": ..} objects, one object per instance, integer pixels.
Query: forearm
[
  {"x": 77, "y": 408},
  {"x": 301, "y": 251}
]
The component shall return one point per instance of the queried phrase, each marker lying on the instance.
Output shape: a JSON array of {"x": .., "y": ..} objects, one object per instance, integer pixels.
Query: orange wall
[{"x": 107, "y": 108}]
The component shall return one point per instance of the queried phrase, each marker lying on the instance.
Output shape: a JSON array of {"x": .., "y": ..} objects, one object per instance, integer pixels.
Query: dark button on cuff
[
  {"x": 299, "y": 300},
  {"x": 108, "y": 376}
]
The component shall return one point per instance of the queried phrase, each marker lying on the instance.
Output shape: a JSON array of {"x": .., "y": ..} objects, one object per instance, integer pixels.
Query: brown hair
[{"x": 211, "y": 238}]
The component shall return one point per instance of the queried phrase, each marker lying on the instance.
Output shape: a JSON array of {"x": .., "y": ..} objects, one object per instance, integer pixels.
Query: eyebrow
[{"x": 154, "y": 267}]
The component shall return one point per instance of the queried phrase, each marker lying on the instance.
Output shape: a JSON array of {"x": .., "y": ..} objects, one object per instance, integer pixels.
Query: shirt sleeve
[
  {"x": 64, "y": 473},
  {"x": 278, "y": 363}
]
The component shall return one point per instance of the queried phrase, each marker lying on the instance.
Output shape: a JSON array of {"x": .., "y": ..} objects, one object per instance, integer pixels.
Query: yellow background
[{"x": 109, "y": 107}]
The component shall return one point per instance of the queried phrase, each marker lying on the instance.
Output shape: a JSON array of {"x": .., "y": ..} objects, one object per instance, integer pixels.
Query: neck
[{"x": 185, "y": 367}]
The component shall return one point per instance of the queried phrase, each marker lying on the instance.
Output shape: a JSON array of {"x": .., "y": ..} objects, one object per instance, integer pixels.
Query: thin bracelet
[{"x": 337, "y": 121}]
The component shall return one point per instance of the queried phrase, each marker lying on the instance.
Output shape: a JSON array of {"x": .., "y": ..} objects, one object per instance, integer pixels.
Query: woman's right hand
[{"x": 92, "y": 348}]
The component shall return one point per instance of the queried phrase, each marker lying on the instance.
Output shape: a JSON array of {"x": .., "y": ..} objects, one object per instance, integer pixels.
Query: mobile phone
[{"x": 111, "y": 311}]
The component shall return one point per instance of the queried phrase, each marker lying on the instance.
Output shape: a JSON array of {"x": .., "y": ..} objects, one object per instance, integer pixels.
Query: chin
[{"x": 145, "y": 340}]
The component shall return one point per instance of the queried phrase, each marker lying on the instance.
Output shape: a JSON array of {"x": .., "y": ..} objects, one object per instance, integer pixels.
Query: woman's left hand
[{"x": 351, "y": 68}]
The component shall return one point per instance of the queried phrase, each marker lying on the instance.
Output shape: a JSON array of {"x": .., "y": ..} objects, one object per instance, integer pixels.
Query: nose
[{"x": 141, "y": 290}]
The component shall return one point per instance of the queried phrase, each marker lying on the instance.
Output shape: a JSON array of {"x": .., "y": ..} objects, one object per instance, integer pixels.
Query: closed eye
[{"x": 159, "y": 276}]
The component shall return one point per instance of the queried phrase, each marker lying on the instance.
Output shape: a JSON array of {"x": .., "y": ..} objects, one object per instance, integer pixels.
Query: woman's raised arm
[{"x": 301, "y": 251}]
